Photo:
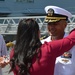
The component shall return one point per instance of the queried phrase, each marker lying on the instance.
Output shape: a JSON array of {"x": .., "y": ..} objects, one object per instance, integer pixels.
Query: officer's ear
[{"x": 64, "y": 22}]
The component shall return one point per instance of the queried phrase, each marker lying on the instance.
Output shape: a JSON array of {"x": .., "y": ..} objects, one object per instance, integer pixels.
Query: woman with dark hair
[{"x": 30, "y": 57}]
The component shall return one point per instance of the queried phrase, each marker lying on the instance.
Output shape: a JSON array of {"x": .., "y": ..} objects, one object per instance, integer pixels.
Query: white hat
[{"x": 57, "y": 13}]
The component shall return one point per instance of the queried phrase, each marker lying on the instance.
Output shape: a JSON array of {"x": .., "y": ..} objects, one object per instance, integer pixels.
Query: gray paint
[{"x": 11, "y": 6}]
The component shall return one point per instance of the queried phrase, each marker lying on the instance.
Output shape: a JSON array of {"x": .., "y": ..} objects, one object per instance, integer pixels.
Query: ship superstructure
[
  {"x": 12, "y": 11},
  {"x": 32, "y": 7}
]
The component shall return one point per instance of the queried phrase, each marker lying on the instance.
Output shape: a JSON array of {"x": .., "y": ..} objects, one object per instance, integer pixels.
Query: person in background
[
  {"x": 57, "y": 20},
  {"x": 10, "y": 44},
  {"x": 3, "y": 53},
  {"x": 30, "y": 57}
]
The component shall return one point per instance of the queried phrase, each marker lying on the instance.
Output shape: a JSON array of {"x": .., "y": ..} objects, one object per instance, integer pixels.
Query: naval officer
[{"x": 57, "y": 20}]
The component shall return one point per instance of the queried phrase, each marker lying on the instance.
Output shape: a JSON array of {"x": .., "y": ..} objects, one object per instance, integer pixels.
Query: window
[
  {"x": 27, "y": 1},
  {"x": 2, "y": 0},
  {"x": 30, "y": 0}
]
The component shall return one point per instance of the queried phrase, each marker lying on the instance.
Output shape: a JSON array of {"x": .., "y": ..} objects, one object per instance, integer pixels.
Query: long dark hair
[{"x": 27, "y": 45}]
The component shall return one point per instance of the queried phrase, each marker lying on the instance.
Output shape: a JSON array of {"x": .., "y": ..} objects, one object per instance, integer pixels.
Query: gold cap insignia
[{"x": 50, "y": 12}]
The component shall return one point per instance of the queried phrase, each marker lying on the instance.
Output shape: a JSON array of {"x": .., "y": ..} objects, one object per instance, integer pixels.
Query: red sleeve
[{"x": 58, "y": 47}]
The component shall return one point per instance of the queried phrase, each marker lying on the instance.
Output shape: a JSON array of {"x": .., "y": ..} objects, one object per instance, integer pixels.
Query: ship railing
[{"x": 8, "y": 25}]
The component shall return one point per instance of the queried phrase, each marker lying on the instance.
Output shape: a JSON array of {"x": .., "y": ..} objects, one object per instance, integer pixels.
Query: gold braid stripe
[
  {"x": 56, "y": 18},
  {"x": 51, "y": 20}
]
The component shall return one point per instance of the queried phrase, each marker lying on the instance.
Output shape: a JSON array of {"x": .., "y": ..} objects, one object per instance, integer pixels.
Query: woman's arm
[{"x": 58, "y": 47}]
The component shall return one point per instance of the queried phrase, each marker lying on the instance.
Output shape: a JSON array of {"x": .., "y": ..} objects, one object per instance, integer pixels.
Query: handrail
[{"x": 8, "y": 25}]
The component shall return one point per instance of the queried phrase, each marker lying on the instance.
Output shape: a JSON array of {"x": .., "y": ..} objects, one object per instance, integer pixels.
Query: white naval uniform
[
  {"x": 3, "y": 49},
  {"x": 61, "y": 67}
]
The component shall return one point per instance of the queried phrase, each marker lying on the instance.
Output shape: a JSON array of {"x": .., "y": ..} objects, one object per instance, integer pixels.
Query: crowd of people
[{"x": 51, "y": 56}]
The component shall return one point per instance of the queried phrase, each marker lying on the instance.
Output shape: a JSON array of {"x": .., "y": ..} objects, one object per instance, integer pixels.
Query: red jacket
[{"x": 49, "y": 52}]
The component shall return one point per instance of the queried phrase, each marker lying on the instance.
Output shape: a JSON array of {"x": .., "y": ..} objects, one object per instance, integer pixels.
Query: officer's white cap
[{"x": 59, "y": 10}]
